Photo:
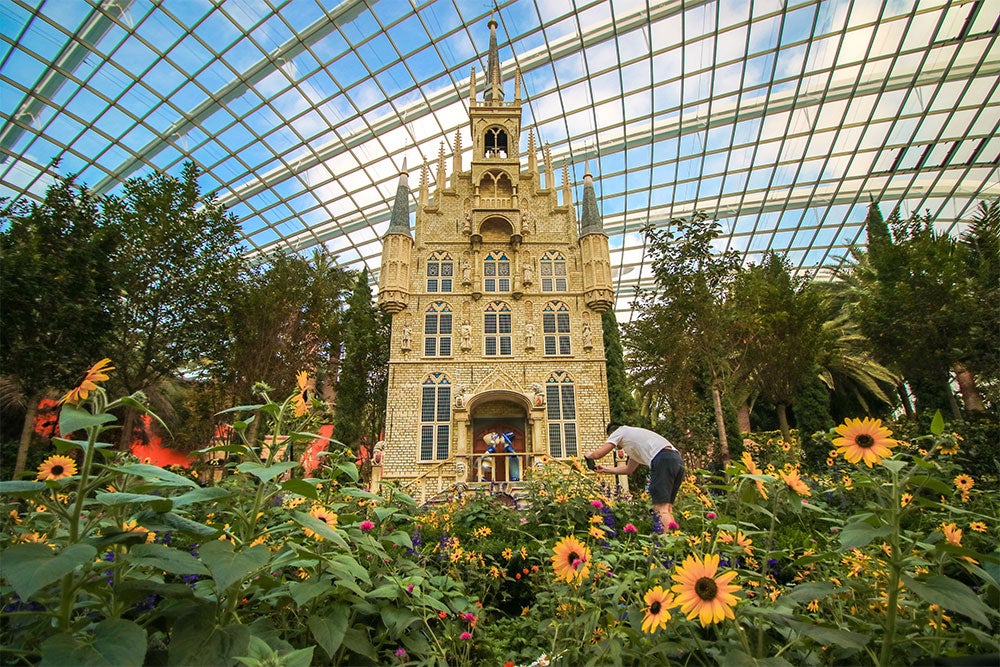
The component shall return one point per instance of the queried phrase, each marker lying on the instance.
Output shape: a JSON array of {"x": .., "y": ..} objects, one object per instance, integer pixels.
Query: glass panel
[
  {"x": 569, "y": 402},
  {"x": 491, "y": 347},
  {"x": 430, "y": 344},
  {"x": 442, "y": 443},
  {"x": 445, "y": 324},
  {"x": 505, "y": 348},
  {"x": 427, "y": 405},
  {"x": 564, "y": 345},
  {"x": 490, "y": 323},
  {"x": 430, "y": 324},
  {"x": 432, "y": 285},
  {"x": 432, "y": 269},
  {"x": 563, "y": 321},
  {"x": 552, "y": 399},
  {"x": 426, "y": 443},
  {"x": 444, "y": 404},
  {"x": 549, "y": 323},
  {"x": 550, "y": 345},
  {"x": 446, "y": 346},
  {"x": 445, "y": 284},
  {"x": 555, "y": 443},
  {"x": 505, "y": 325},
  {"x": 570, "y": 439}
]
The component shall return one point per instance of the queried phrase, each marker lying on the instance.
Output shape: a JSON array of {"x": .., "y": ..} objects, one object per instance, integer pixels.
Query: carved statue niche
[
  {"x": 588, "y": 333},
  {"x": 466, "y": 335},
  {"x": 527, "y": 270},
  {"x": 538, "y": 394},
  {"x": 406, "y": 342},
  {"x": 529, "y": 335},
  {"x": 466, "y": 270},
  {"x": 467, "y": 216}
]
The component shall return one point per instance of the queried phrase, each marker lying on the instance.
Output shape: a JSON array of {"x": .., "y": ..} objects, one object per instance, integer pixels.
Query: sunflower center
[
  {"x": 864, "y": 440},
  {"x": 654, "y": 608},
  {"x": 573, "y": 559},
  {"x": 706, "y": 588},
  {"x": 57, "y": 469}
]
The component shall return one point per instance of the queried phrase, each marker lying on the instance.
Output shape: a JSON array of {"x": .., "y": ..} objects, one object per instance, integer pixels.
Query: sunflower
[
  {"x": 794, "y": 481},
  {"x": 324, "y": 515},
  {"x": 752, "y": 469},
  {"x": 57, "y": 467},
  {"x": 97, "y": 373},
  {"x": 864, "y": 439},
  {"x": 571, "y": 559},
  {"x": 703, "y": 594},
  {"x": 301, "y": 400},
  {"x": 658, "y": 601},
  {"x": 963, "y": 483},
  {"x": 978, "y": 526},
  {"x": 952, "y": 533}
]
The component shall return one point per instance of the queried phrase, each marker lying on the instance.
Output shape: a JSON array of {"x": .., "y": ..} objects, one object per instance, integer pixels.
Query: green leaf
[
  {"x": 242, "y": 408},
  {"x": 299, "y": 658},
  {"x": 304, "y": 591},
  {"x": 346, "y": 564},
  {"x": 937, "y": 423},
  {"x": 950, "y": 594},
  {"x": 63, "y": 445},
  {"x": 72, "y": 419},
  {"x": 300, "y": 487},
  {"x": 266, "y": 473},
  {"x": 859, "y": 534},
  {"x": 397, "y": 619},
  {"x": 162, "y": 521},
  {"x": 155, "y": 474},
  {"x": 384, "y": 512},
  {"x": 162, "y": 557},
  {"x": 349, "y": 469},
  {"x": 328, "y": 631},
  {"x": 156, "y": 503},
  {"x": 357, "y": 642},
  {"x": 401, "y": 538},
  {"x": 200, "y": 495},
  {"x": 30, "y": 567},
  {"x": 195, "y": 642},
  {"x": 361, "y": 493},
  {"x": 319, "y": 527},
  {"x": 811, "y": 591},
  {"x": 228, "y": 566},
  {"x": 19, "y": 487},
  {"x": 386, "y": 591},
  {"x": 827, "y": 636},
  {"x": 116, "y": 643},
  {"x": 894, "y": 465}
]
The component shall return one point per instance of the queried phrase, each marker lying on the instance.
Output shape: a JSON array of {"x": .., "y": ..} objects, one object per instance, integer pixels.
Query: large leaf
[
  {"x": 950, "y": 594},
  {"x": 116, "y": 643},
  {"x": 811, "y": 591},
  {"x": 319, "y": 527},
  {"x": 30, "y": 567},
  {"x": 162, "y": 557},
  {"x": 200, "y": 495},
  {"x": 72, "y": 419},
  {"x": 857, "y": 535},
  {"x": 300, "y": 487},
  {"x": 827, "y": 636},
  {"x": 398, "y": 619},
  {"x": 328, "y": 631},
  {"x": 21, "y": 487},
  {"x": 156, "y": 503},
  {"x": 154, "y": 474},
  {"x": 163, "y": 521},
  {"x": 266, "y": 473},
  {"x": 196, "y": 642},
  {"x": 228, "y": 566}
]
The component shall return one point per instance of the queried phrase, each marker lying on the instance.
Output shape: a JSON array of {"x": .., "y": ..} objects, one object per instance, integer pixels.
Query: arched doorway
[{"x": 499, "y": 412}]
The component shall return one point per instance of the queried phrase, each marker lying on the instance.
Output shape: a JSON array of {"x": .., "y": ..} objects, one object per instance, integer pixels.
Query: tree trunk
[
  {"x": 971, "y": 397},
  {"x": 743, "y": 417},
  {"x": 26, "y": 432},
  {"x": 253, "y": 429},
  {"x": 786, "y": 432},
  {"x": 720, "y": 422},
  {"x": 956, "y": 413},
  {"x": 128, "y": 426},
  {"x": 904, "y": 398}
]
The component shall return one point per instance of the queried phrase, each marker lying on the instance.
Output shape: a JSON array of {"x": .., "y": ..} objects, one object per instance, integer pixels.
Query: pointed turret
[
  {"x": 399, "y": 222},
  {"x": 494, "y": 91},
  {"x": 424, "y": 197},
  {"x": 567, "y": 191},
  {"x": 393, "y": 283},
  {"x": 594, "y": 252},
  {"x": 456, "y": 160},
  {"x": 590, "y": 217}
]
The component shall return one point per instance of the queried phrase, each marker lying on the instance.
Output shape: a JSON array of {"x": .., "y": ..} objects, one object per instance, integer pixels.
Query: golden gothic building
[{"x": 496, "y": 295}]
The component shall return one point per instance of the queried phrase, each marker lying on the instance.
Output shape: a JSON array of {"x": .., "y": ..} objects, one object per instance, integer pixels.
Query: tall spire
[
  {"x": 590, "y": 218},
  {"x": 424, "y": 198},
  {"x": 494, "y": 90},
  {"x": 399, "y": 222},
  {"x": 456, "y": 162},
  {"x": 440, "y": 172}
]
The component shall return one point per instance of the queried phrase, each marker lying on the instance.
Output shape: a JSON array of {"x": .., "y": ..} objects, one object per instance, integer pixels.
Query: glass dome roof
[{"x": 783, "y": 118}]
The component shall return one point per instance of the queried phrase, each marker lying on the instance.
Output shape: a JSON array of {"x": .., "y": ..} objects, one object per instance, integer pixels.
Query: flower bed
[{"x": 887, "y": 556}]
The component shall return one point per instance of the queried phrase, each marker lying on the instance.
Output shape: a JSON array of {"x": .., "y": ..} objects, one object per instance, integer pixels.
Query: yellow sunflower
[
  {"x": 978, "y": 526},
  {"x": 952, "y": 533},
  {"x": 57, "y": 466},
  {"x": 752, "y": 469},
  {"x": 571, "y": 559},
  {"x": 324, "y": 515},
  {"x": 963, "y": 483},
  {"x": 658, "y": 601},
  {"x": 864, "y": 439},
  {"x": 97, "y": 373},
  {"x": 703, "y": 594},
  {"x": 794, "y": 481},
  {"x": 301, "y": 400}
]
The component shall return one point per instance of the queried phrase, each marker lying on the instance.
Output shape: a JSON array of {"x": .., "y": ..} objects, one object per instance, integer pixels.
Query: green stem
[
  {"x": 68, "y": 589},
  {"x": 894, "y": 572}
]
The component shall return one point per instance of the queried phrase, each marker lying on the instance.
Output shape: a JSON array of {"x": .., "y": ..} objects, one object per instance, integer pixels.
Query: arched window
[
  {"x": 437, "y": 330},
  {"x": 435, "y": 417},
  {"x": 495, "y": 142},
  {"x": 561, "y": 399},
  {"x": 496, "y": 272},
  {"x": 552, "y": 268},
  {"x": 555, "y": 328},
  {"x": 440, "y": 272},
  {"x": 496, "y": 330}
]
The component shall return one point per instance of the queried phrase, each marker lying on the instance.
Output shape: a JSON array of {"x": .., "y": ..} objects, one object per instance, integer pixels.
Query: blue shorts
[{"x": 666, "y": 472}]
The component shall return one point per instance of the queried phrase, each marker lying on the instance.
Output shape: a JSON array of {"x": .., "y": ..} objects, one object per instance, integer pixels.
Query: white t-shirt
[{"x": 639, "y": 443}]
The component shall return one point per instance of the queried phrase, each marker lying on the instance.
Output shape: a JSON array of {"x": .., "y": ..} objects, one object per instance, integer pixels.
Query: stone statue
[
  {"x": 467, "y": 225},
  {"x": 588, "y": 336},
  {"x": 466, "y": 330},
  {"x": 529, "y": 336},
  {"x": 529, "y": 274},
  {"x": 466, "y": 273},
  {"x": 406, "y": 346},
  {"x": 539, "y": 392}
]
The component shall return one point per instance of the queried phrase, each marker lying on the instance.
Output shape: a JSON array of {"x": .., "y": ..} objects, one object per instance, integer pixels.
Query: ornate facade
[{"x": 496, "y": 295}]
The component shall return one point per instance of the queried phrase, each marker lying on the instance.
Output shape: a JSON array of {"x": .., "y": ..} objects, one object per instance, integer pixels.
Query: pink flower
[
  {"x": 629, "y": 528},
  {"x": 366, "y": 525},
  {"x": 596, "y": 503},
  {"x": 465, "y": 636},
  {"x": 524, "y": 520},
  {"x": 409, "y": 589},
  {"x": 710, "y": 515},
  {"x": 400, "y": 652},
  {"x": 673, "y": 525}
]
